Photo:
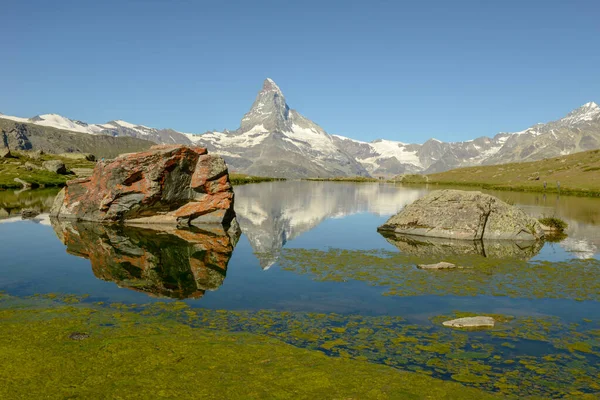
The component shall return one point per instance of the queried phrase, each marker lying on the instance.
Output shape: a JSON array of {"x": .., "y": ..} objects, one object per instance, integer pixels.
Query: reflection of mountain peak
[
  {"x": 270, "y": 214},
  {"x": 166, "y": 262}
]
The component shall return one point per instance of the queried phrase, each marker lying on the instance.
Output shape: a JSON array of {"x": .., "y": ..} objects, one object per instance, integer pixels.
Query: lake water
[{"x": 312, "y": 248}]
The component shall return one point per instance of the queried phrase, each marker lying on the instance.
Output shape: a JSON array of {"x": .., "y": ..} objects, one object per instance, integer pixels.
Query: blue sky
[{"x": 401, "y": 70}]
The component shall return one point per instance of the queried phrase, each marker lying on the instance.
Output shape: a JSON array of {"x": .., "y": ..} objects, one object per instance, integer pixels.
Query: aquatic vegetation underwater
[
  {"x": 69, "y": 350},
  {"x": 397, "y": 273},
  {"x": 176, "y": 351}
]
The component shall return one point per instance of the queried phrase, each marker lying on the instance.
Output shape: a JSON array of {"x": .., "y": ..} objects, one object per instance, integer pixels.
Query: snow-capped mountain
[
  {"x": 275, "y": 140},
  {"x": 578, "y": 131},
  {"x": 113, "y": 128}
]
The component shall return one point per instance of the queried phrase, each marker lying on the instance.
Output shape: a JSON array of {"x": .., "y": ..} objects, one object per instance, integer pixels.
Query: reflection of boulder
[
  {"x": 163, "y": 261},
  {"x": 439, "y": 247}
]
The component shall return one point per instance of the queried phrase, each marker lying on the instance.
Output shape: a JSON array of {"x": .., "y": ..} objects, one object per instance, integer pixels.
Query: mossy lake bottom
[{"x": 311, "y": 302}]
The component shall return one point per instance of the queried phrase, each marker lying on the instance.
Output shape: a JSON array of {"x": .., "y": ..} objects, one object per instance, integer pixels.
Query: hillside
[
  {"x": 30, "y": 136},
  {"x": 577, "y": 173}
]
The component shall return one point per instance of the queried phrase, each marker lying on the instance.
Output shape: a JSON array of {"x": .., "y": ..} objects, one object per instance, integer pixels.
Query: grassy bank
[
  {"x": 576, "y": 174},
  {"x": 242, "y": 179},
  {"x": 344, "y": 179},
  {"x": 37, "y": 176},
  {"x": 87, "y": 351}
]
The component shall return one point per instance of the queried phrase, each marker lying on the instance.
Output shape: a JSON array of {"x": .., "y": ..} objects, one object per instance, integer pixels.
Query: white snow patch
[{"x": 18, "y": 119}]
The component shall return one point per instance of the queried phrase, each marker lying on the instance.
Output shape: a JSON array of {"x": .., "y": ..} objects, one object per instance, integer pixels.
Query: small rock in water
[
  {"x": 440, "y": 265},
  {"x": 78, "y": 336},
  {"x": 28, "y": 213},
  {"x": 471, "y": 322}
]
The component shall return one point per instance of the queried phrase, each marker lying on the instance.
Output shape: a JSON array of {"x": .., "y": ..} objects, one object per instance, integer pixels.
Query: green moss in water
[
  {"x": 397, "y": 274},
  {"x": 127, "y": 355},
  {"x": 427, "y": 349}
]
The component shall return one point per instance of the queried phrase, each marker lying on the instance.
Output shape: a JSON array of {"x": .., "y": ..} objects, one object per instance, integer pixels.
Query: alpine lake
[{"x": 311, "y": 272}]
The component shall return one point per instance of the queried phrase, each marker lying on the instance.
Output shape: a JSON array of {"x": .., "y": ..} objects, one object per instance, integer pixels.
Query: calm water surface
[{"x": 314, "y": 247}]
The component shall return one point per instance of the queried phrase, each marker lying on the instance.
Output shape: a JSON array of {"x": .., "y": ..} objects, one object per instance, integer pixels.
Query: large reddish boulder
[{"x": 171, "y": 184}]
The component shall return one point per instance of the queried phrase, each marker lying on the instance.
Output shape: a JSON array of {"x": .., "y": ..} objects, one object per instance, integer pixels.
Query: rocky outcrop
[
  {"x": 469, "y": 215},
  {"x": 164, "y": 261},
  {"x": 168, "y": 184}
]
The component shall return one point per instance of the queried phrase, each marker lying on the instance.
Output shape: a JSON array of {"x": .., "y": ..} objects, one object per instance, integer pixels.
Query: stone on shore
[
  {"x": 56, "y": 166},
  {"x": 29, "y": 213},
  {"x": 168, "y": 184},
  {"x": 5, "y": 152},
  {"x": 468, "y": 215},
  {"x": 26, "y": 185},
  {"x": 471, "y": 322}
]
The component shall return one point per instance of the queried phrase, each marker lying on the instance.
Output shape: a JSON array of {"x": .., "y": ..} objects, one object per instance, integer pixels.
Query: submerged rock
[
  {"x": 168, "y": 184},
  {"x": 471, "y": 322},
  {"x": 469, "y": 215},
  {"x": 440, "y": 265},
  {"x": 78, "y": 336}
]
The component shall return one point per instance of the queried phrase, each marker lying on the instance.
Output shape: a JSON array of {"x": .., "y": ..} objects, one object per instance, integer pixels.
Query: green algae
[
  {"x": 511, "y": 359},
  {"x": 128, "y": 355},
  {"x": 398, "y": 275}
]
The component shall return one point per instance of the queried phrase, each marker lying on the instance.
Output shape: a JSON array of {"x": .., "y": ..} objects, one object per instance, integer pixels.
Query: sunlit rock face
[
  {"x": 441, "y": 247},
  {"x": 168, "y": 184},
  {"x": 163, "y": 261},
  {"x": 466, "y": 215}
]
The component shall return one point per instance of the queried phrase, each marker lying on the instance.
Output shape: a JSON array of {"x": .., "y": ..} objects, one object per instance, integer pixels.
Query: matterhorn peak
[
  {"x": 269, "y": 85},
  {"x": 269, "y": 113}
]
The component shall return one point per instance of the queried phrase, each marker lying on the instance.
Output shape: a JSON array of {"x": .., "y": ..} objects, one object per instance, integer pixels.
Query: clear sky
[{"x": 401, "y": 70}]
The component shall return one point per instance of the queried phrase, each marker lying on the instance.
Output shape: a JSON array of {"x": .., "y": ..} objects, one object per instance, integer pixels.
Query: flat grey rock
[
  {"x": 471, "y": 322},
  {"x": 440, "y": 265}
]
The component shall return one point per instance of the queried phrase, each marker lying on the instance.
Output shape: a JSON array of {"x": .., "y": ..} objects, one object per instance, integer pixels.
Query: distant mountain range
[{"x": 275, "y": 140}]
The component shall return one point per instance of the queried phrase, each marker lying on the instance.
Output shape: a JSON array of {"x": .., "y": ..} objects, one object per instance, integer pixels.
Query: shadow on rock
[
  {"x": 440, "y": 247},
  {"x": 159, "y": 260}
]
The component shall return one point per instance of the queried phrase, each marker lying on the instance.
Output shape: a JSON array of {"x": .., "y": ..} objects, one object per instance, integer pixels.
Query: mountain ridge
[{"x": 274, "y": 139}]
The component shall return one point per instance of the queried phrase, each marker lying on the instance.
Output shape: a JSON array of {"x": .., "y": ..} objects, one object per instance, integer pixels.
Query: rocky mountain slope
[
  {"x": 116, "y": 128},
  {"x": 578, "y": 131},
  {"x": 275, "y": 140},
  {"x": 29, "y": 136}
]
